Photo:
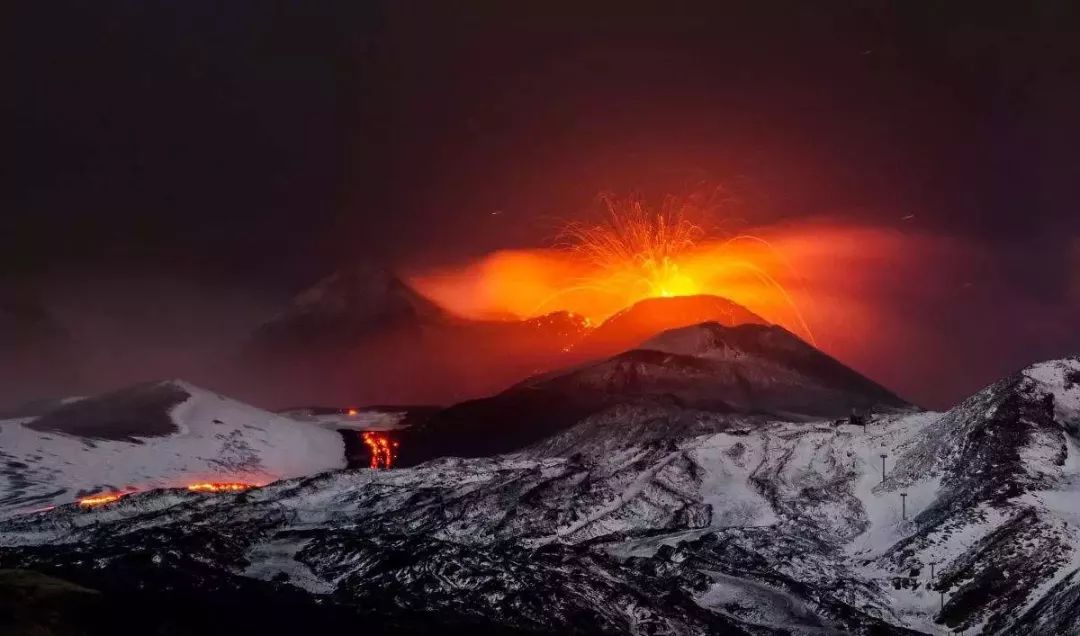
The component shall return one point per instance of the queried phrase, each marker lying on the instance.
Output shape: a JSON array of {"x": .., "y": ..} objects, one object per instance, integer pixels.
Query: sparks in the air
[
  {"x": 634, "y": 250},
  {"x": 639, "y": 251},
  {"x": 382, "y": 449}
]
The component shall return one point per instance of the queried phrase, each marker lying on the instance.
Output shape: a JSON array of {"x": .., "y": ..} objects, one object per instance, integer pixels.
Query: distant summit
[
  {"x": 633, "y": 325},
  {"x": 345, "y": 307},
  {"x": 362, "y": 335},
  {"x": 775, "y": 371},
  {"x": 748, "y": 370}
]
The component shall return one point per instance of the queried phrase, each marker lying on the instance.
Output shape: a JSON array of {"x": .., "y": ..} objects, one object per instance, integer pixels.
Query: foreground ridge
[{"x": 656, "y": 518}]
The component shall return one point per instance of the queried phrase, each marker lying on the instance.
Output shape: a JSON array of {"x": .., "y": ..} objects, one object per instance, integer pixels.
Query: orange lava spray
[
  {"x": 641, "y": 252},
  {"x": 381, "y": 448}
]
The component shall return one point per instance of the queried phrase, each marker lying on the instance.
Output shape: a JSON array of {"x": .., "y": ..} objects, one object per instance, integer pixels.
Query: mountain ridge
[
  {"x": 650, "y": 516},
  {"x": 759, "y": 382}
]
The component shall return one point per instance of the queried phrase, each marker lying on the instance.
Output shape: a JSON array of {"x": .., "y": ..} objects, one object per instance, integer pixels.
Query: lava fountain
[
  {"x": 381, "y": 448},
  {"x": 634, "y": 251}
]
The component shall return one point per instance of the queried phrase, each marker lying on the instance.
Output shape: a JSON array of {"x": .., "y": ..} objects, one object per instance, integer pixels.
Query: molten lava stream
[
  {"x": 221, "y": 487},
  {"x": 381, "y": 448},
  {"x": 100, "y": 499}
]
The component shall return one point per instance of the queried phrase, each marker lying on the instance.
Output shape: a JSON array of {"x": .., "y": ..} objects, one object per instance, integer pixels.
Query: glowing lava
[
  {"x": 381, "y": 448},
  {"x": 221, "y": 487},
  {"x": 100, "y": 499},
  {"x": 635, "y": 252}
]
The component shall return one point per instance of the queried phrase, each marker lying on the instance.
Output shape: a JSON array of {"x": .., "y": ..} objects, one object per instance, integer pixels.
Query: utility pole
[
  {"x": 883, "y": 456},
  {"x": 903, "y": 505},
  {"x": 932, "y": 564}
]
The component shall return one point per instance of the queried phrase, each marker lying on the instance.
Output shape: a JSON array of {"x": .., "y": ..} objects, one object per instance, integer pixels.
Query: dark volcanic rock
[
  {"x": 138, "y": 411},
  {"x": 630, "y": 327},
  {"x": 649, "y": 516},
  {"x": 344, "y": 308},
  {"x": 748, "y": 369}
]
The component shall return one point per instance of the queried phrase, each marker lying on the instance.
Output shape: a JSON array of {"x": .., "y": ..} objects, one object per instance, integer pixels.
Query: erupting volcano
[{"x": 636, "y": 251}]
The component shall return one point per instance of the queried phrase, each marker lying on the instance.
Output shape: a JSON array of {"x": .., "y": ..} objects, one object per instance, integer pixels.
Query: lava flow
[
  {"x": 381, "y": 448},
  {"x": 100, "y": 499},
  {"x": 221, "y": 487}
]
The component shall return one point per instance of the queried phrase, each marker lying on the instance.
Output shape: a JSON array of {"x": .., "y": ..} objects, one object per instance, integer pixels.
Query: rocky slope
[
  {"x": 749, "y": 369},
  {"x": 647, "y": 517},
  {"x": 363, "y": 336}
]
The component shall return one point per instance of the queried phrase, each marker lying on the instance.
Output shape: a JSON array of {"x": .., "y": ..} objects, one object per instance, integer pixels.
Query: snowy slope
[
  {"x": 745, "y": 369},
  {"x": 165, "y": 434},
  {"x": 656, "y": 518}
]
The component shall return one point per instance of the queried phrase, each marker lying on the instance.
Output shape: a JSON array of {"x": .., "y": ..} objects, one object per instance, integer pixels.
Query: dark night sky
[{"x": 257, "y": 145}]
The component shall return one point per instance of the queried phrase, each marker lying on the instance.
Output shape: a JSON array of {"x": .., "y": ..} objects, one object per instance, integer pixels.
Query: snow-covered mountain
[
  {"x": 644, "y": 319},
  {"x": 648, "y": 516},
  {"x": 750, "y": 369},
  {"x": 164, "y": 434}
]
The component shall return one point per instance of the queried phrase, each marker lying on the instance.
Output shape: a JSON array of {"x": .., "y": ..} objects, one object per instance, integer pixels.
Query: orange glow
[
  {"x": 352, "y": 412},
  {"x": 220, "y": 487},
  {"x": 100, "y": 499},
  {"x": 39, "y": 510},
  {"x": 636, "y": 252},
  {"x": 381, "y": 448}
]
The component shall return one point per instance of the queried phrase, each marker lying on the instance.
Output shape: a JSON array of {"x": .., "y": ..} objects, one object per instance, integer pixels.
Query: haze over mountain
[
  {"x": 754, "y": 370},
  {"x": 540, "y": 318},
  {"x": 363, "y": 335},
  {"x": 633, "y": 325},
  {"x": 35, "y": 349}
]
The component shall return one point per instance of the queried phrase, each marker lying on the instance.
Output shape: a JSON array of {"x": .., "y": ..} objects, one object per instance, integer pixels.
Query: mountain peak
[
  {"x": 346, "y": 306},
  {"x": 756, "y": 370},
  {"x": 712, "y": 339},
  {"x": 644, "y": 319},
  {"x": 1061, "y": 380},
  {"x": 362, "y": 293}
]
